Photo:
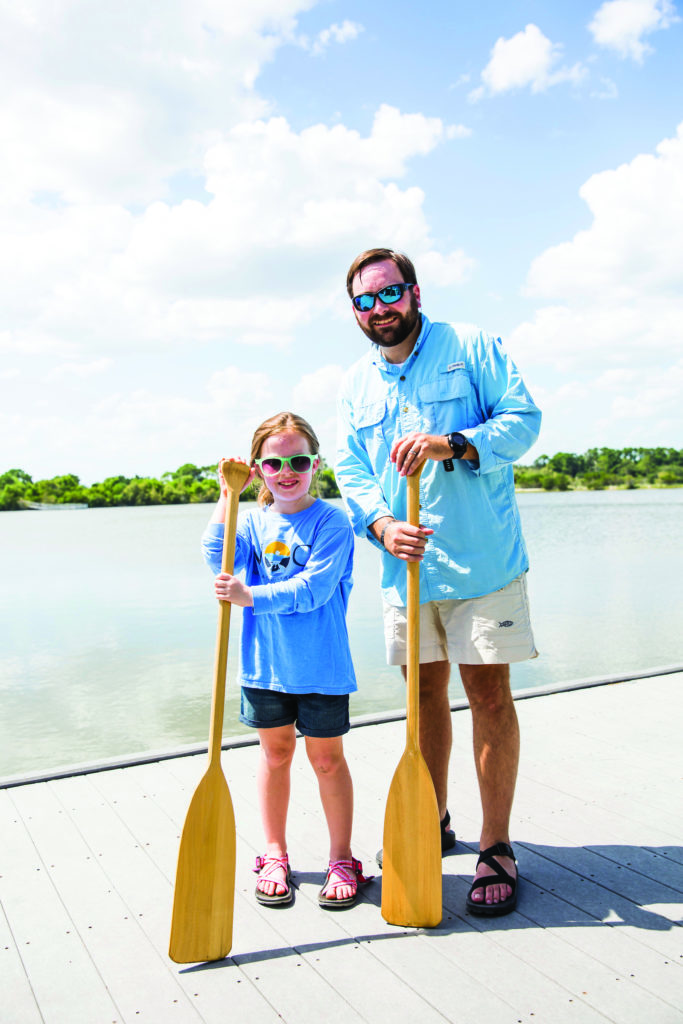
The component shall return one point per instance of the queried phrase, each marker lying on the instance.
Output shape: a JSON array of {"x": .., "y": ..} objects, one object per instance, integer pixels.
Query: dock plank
[
  {"x": 88, "y": 865},
  {"x": 24, "y": 1007},
  {"x": 139, "y": 982},
  {"x": 55, "y": 956}
]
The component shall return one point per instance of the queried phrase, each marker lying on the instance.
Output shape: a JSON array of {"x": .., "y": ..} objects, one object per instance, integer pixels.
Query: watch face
[{"x": 458, "y": 443}]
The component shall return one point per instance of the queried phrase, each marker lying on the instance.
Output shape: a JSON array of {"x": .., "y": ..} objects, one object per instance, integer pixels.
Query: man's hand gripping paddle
[
  {"x": 411, "y": 868},
  {"x": 201, "y": 927}
]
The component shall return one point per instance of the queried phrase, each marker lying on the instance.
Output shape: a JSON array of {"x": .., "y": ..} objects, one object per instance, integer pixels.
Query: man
[{"x": 449, "y": 398}]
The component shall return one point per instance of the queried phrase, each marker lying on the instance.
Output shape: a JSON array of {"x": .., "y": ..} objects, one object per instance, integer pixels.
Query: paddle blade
[
  {"x": 411, "y": 864},
  {"x": 201, "y": 927}
]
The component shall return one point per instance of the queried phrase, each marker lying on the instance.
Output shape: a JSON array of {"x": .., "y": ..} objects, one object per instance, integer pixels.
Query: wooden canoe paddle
[
  {"x": 411, "y": 868},
  {"x": 201, "y": 927}
]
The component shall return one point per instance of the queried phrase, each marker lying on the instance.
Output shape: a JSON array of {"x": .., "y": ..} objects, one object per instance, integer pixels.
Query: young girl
[{"x": 295, "y": 664}]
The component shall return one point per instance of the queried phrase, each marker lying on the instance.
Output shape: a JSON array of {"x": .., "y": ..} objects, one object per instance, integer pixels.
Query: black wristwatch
[{"x": 458, "y": 443}]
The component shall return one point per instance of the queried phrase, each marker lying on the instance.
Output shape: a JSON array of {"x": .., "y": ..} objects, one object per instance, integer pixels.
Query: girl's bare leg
[
  {"x": 273, "y": 785},
  {"x": 336, "y": 794}
]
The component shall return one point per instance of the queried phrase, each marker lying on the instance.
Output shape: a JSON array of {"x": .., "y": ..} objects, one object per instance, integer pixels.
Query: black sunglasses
[{"x": 389, "y": 295}]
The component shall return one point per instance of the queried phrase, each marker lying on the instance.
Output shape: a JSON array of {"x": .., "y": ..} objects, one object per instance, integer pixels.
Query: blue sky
[{"x": 183, "y": 187}]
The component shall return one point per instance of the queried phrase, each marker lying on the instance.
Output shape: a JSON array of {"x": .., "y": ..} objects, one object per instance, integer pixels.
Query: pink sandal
[
  {"x": 348, "y": 872},
  {"x": 267, "y": 868}
]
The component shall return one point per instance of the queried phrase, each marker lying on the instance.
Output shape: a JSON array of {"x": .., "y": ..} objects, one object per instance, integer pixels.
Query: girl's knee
[
  {"x": 277, "y": 751},
  {"x": 326, "y": 757}
]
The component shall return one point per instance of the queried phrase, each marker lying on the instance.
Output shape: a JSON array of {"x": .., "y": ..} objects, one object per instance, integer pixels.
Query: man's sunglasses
[
  {"x": 274, "y": 464},
  {"x": 389, "y": 295}
]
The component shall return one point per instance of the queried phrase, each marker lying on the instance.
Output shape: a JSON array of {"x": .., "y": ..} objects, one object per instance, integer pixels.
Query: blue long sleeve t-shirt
[{"x": 299, "y": 568}]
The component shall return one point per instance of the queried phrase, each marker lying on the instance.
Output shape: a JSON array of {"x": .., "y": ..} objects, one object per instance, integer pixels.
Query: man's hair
[{"x": 401, "y": 261}]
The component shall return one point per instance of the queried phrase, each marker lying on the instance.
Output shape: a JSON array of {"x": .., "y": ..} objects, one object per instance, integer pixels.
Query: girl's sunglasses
[
  {"x": 274, "y": 464},
  {"x": 389, "y": 295}
]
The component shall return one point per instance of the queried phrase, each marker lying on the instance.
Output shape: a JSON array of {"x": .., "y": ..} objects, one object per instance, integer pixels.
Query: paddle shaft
[
  {"x": 234, "y": 474},
  {"x": 413, "y": 619}
]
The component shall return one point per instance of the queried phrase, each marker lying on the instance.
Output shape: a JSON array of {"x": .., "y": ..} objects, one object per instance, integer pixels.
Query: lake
[{"x": 108, "y": 623}]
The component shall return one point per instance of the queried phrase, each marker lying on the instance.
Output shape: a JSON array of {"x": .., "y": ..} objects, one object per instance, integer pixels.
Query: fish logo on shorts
[{"x": 276, "y": 556}]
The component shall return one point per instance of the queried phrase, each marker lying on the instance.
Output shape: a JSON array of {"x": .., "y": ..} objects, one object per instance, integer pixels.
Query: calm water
[{"x": 107, "y": 620}]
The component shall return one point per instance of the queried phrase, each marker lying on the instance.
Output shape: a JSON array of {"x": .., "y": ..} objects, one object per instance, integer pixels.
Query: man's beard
[{"x": 390, "y": 337}]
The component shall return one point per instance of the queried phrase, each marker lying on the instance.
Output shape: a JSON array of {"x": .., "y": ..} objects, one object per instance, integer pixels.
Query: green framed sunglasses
[{"x": 274, "y": 464}]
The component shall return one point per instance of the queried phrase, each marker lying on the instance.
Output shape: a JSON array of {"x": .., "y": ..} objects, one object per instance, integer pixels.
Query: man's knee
[
  {"x": 487, "y": 687},
  {"x": 434, "y": 679}
]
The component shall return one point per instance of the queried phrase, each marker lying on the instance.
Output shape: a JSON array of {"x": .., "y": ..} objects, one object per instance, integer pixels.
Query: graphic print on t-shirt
[
  {"x": 279, "y": 561},
  {"x": 276, "y": 556}
]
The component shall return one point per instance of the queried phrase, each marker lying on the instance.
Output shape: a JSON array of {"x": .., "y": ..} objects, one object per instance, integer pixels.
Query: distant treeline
[
  {"x": 604, "y": 467},
  {"x": 187, "y": 484},
  {"x": 596, "y": 469}
]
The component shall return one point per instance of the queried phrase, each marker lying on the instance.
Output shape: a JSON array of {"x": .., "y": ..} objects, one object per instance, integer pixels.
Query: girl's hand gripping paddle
[
  {"x": 411, "y": 867},
  {"x": 201, "y": 927}
]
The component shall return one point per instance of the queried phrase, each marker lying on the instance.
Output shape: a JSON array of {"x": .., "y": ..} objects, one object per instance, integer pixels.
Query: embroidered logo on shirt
[
  {"x": 506, "y": 622},
  {"x": 455, "y": 366}
]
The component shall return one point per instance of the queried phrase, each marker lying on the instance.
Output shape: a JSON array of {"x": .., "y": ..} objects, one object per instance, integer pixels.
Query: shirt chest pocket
[
  {"x": 369, "y": 419},
  {"x": 448, "y": 403}
]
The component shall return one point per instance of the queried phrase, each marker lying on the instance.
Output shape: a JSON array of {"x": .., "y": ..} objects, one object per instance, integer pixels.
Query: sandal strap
[
  {"x": 266, "y": 866},
  {"x": 349, "y": 872},
  {"x": 501, "y": 875},
  {"x": 497, "y": 850}
]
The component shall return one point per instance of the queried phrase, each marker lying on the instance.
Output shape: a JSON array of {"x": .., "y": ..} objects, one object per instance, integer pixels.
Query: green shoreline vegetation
[{"x": 596, "y": 469}]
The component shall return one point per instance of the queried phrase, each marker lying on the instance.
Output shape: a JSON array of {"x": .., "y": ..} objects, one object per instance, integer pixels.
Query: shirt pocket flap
[
  {"x": 369, "y": 415},
  {"x": 451, "y": 385}
]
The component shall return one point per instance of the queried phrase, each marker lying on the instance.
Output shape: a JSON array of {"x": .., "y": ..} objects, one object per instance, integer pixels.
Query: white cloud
[
  {"x": 606, "y": 91},
  {"x": 343, "y": 33},
  {"x": 616, "y": 287},
  {"x": 528, "y": 58},
  {"x": 157, "y": 222},
  {"x": 616, "y": 408},
  {"x": 442, "y": 270},
  {"x": 88, "y": 273},
  {"x": 319, "y": 386},
  {"x": 90, "y": 88},
  {"x": 80, "y": 370},
  {"x": 621, "y": 25}
]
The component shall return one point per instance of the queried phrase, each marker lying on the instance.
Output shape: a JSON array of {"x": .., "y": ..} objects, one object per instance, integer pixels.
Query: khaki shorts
[{"x": 491, "y": 630}]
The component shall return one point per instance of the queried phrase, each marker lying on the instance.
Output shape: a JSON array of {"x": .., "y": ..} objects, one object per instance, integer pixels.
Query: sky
[{"x": 184, "y": 185}]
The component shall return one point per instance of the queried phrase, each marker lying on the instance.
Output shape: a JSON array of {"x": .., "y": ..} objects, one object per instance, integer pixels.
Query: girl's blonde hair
[{"x": 281, "y": 423}]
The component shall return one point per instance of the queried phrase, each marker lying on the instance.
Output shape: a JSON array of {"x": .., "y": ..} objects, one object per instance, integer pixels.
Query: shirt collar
[{"x": 379, "y": 360}]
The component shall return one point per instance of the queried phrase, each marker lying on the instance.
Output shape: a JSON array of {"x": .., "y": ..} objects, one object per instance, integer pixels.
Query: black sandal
[
  {"x": 501, "y": 877},
  {"x": 447, "y": 838}
]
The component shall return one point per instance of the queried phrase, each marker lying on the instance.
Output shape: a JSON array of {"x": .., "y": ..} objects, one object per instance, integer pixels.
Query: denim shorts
[{"x": 320, "y": 715}]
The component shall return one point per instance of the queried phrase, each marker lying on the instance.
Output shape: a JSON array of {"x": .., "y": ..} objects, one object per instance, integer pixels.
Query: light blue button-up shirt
[{"x": 455, "y": 379}]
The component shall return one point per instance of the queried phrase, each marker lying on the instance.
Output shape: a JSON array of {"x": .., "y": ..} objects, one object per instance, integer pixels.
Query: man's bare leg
[
  {"x": 435, "y": 725},
  {"x": 496, "y": 753}
]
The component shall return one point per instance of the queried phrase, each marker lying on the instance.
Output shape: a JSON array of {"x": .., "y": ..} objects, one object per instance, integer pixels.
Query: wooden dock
[{"x": 87, "y": 866}]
